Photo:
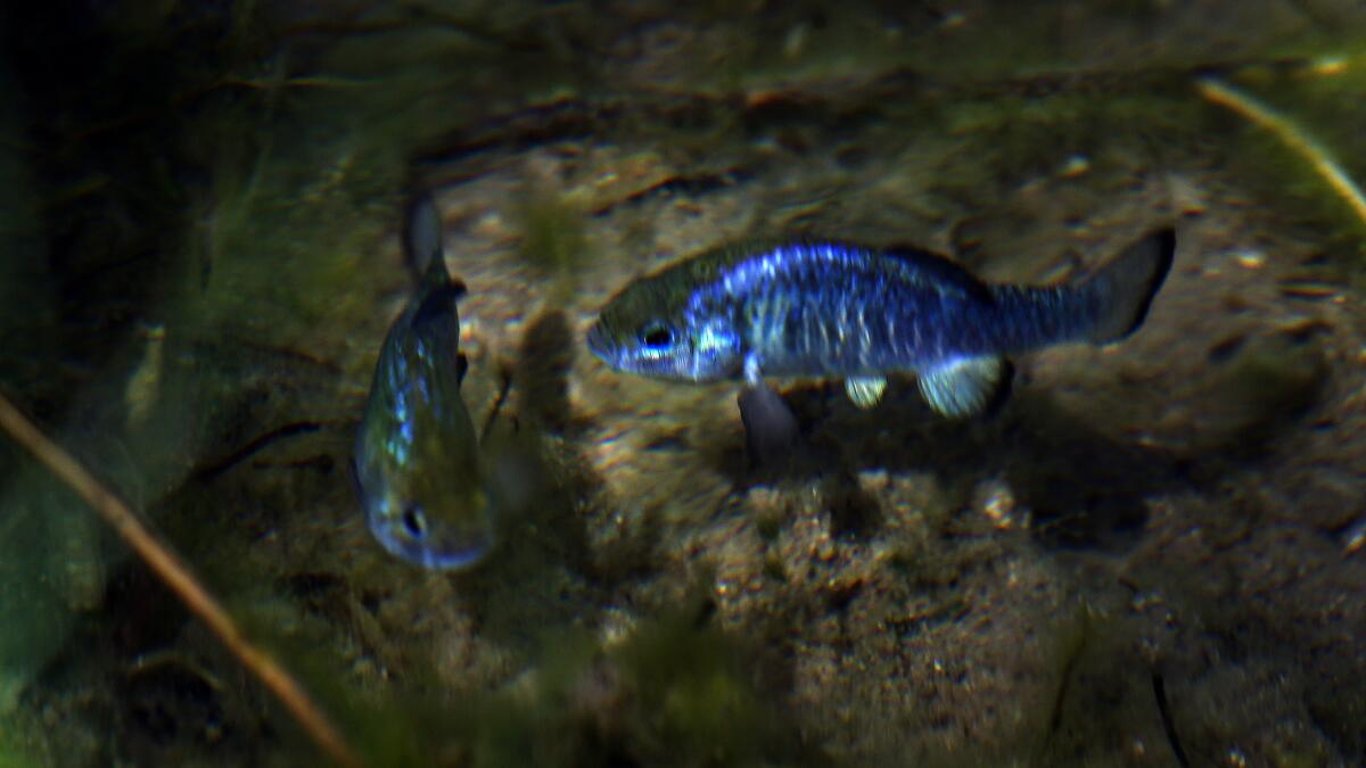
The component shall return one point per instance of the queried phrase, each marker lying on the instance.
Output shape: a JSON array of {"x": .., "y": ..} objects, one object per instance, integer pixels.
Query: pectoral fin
[
  {"x": 865, "y": 391},
  {"x": 771, "y": 429},
  {"x": 754, "y": 370},
  {"x": 964, "y": 387}
]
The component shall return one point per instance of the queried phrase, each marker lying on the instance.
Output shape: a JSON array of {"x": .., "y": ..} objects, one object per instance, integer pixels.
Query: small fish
[
  {"x": 827, "y": 309},
  {"x": 417, "y": 455}
]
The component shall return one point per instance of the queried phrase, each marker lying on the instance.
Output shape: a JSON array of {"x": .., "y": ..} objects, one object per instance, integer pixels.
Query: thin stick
[
  {"x": 168, "y": 566},
  {"x": 1227, "y": 96}
]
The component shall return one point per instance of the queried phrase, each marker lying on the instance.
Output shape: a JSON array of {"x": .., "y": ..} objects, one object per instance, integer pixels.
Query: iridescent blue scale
[
  {"x": 417, "y": 455},
  {"x": 837, "y": 309}
]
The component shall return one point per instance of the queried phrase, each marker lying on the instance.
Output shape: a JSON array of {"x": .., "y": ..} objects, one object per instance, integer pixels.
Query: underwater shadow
[
  {"x": 541, "y": 376},
  {"x": 544, "y": 575},
  {"x": 1082, "y": 487}
]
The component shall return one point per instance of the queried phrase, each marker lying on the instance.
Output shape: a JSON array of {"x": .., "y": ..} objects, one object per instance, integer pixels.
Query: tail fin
[
  {"x": 1125, "y": 287},
  {"x": 422, "y": 233},
  {"x": 436, "y": 290}
]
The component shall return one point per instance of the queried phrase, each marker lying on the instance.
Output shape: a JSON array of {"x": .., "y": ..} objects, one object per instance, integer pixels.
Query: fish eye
[
  {"x": 656, "y": 335},
  {"x": 414, "y": 521}
]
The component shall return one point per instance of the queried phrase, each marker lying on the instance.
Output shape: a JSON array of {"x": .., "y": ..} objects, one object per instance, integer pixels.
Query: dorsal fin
[
  {"x": 945, "y": 272},
  {"x": 941, "y": 271},
  {"x": 422, "y": 233}
]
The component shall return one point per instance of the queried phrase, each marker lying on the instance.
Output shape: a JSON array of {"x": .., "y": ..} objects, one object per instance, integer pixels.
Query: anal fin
[
  {"x": 964, "y": 387},
  {"x": 865, "y": 391}
]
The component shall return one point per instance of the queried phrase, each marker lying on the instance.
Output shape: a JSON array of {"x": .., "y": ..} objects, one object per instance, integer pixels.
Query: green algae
[
  {"x": 553, "y": 236},
  {"x": 672, "y": 693},
  {"x": 1074, "y": 723},
  {"x": 19, "y": 743},
  {"x": 695, "y": 698}
]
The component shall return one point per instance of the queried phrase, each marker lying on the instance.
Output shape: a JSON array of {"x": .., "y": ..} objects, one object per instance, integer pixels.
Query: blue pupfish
[
  {"x": 417, "y": 455},
  {"x": 830, "y": 309}
]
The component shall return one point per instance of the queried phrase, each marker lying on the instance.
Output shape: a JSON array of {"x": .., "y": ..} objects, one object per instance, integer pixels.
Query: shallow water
[{"x": 1152, "y": 553}]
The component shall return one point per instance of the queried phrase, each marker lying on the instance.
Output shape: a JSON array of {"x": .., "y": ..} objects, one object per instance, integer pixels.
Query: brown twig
[
  {"x": 1293, "y": 136},
  {"x": 168, "y": 566}
]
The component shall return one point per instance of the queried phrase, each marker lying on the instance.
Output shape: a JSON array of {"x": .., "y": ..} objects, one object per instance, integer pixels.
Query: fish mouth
[
  {"x": 443, "y": 552},
  {"x": 625, "y": 358},
  {"x": 598, "y": 343}
]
